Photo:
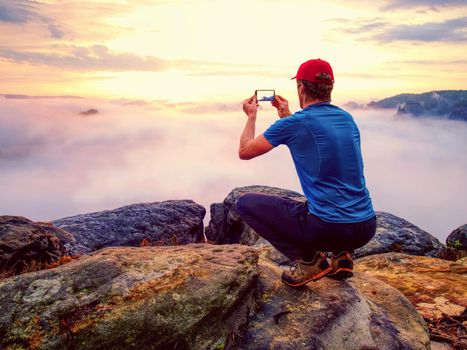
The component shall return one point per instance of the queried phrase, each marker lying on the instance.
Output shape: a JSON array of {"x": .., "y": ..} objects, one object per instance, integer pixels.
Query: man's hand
[
  {"x": 250, "y": 106},
  {"x": 251, "y": 147},
  {"x": 282, "y": 106}
]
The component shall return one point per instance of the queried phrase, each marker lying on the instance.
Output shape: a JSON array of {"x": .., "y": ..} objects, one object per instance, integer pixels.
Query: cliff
[{"x": 449, "y": 104}]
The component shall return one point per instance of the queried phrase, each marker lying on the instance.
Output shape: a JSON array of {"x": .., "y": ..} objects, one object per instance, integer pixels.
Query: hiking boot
[
  {"x": 341, "y": 266},
  {"x": 302, "y": 272}
]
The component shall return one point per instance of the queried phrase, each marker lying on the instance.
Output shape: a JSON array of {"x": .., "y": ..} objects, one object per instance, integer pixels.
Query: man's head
[{"x": 315, "y": 80}]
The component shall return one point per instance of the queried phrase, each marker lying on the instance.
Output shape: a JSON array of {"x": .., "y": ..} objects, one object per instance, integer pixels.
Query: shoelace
[{"x": 295, "y": 266}]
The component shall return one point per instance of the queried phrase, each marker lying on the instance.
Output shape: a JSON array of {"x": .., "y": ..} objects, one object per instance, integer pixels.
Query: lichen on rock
[{"x": 121, "y": 298}]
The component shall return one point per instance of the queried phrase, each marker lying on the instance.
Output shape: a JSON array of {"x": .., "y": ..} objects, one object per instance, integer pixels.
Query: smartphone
[{"x": 265, "y": 95}]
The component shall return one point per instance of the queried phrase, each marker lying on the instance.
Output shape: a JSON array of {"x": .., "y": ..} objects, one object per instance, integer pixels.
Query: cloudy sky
[
  {"x": 218, "y": 50},
  {"x": 168, "y": 78}
]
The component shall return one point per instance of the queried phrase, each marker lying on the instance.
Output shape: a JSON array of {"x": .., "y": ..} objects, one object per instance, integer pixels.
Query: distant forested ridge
[{"x": 450, "y": 104}]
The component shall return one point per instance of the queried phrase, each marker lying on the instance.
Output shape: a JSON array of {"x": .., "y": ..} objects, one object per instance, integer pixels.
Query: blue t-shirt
[{"x": 324, "y": 142}]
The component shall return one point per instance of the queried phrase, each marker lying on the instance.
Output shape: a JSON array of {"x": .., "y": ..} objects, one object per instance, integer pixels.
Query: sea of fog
[{"x": 55, "y": 162}]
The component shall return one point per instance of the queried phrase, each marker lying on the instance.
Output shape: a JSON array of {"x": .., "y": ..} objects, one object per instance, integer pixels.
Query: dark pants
[{"x": 296, "y": 233}]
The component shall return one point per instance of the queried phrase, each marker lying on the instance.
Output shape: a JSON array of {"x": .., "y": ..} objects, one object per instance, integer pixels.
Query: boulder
[
  {"x": 199, "y": 296},
  {"x": 157, "y": 223},
  {"x": 392, "y": 234},
  {"x": 436, "y": 287},
  {"x": 329, "y": 314},
  {"x": 226, "y": 226},
  {"x": 72, "y": 248},
  {"x": 457, "y": 239},
  {"x": 195, "y": 296},
  {"x": 398, "y": 235},
  {"x": 26, "y": 246}
]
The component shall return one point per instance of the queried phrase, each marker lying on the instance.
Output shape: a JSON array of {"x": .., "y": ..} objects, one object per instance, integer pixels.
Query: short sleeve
[{"x": 281, "y": 131}]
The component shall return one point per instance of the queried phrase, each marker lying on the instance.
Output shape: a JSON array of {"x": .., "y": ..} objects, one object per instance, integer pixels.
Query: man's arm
[{"x": 251, "y": 147}]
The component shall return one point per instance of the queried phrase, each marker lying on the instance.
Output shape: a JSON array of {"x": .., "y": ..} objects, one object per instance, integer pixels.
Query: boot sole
[
  {"x": 341, "y": 273},
  {"x": 313, "y": 278}
]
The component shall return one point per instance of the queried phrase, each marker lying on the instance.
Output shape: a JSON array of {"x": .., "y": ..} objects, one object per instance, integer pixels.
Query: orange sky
[{"x": 224, "y": 50}]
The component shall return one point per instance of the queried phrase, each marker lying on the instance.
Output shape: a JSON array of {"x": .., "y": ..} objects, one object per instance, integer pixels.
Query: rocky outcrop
[
  {"x": 330, "y": 314},
  {"x": 456, "y": 244},
  {"x": 393, "y": 233},
  {"x": 26, "y": 245},
  {"x": 450, "y": 104},
  {"x": 66, "y": 238},
  {"x": 226, "y": 226},
  {"x": 158, "y": 223},
  {"x": 457, "y": 239},
  {"x": 459, "y": 111},
  {"x": 199, "y": 296},
  {"x": 398, "y": 235},
  {"x": 178, "y": 297},
  {"x": 436, "y": 287},
  {"x": 91, "y": 111},
  {"x": 411, "y": 107}
]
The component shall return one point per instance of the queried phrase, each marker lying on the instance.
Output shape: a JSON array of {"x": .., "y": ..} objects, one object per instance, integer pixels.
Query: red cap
[{"x": 310, "y": 71}]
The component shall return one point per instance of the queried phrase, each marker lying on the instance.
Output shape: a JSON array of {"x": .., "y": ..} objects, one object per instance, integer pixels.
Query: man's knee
[{"x": 243, "y": 204}]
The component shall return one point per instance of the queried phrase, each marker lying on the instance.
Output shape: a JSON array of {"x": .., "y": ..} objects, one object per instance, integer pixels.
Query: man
[{"x": 324, "y": 142}]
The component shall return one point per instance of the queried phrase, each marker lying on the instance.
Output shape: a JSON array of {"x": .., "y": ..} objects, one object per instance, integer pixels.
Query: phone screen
[{"x": 265, "y": 95}]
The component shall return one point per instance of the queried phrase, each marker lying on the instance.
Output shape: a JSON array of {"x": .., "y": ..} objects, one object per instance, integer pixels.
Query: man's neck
[{"x": 311, "y": 102}]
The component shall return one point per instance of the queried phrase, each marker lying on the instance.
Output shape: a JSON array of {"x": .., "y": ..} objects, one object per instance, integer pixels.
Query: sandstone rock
[
  {"x": 72, "y": 248},
  {"x": 160, "y": 223},
  {"x": 440, "y": 346},
  {"x": 396, "y": 307},
  {"x": 393, "y": 233},
  {"x": 330, "y": 314},
  {"x": 226, "y": 226},
  {"x": 266, "y": 250},
  {"x": 458, "y": 238},
  {"x": 26, "y": 245},
  {"x": 436, "y": 287},
  {"x": 199, "y": 296},
  {"x": 396, "y": 234},
  {"x": 179, "y": 297}
]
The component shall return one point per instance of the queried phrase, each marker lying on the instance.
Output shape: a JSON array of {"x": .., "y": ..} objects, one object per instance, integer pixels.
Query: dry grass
[
  {"x": 36, "y": 266},
  {"x": 452, "y": 254}
]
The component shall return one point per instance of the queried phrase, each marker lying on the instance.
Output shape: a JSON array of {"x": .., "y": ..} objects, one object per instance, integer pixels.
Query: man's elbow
[{"x": 244, "y": 155}]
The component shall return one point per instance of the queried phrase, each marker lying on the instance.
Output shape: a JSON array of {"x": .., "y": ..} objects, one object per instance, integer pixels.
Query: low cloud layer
[{"x": 55, "y": 162}]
